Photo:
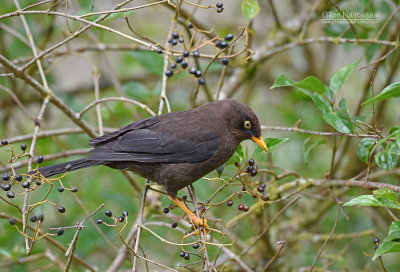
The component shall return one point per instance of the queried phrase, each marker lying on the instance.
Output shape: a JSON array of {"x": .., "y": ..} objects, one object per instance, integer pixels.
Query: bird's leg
[{"x": 193, "y": 217}]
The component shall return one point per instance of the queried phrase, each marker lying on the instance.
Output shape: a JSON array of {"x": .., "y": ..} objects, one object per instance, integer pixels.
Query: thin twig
[{"x": 327, "y": 239}]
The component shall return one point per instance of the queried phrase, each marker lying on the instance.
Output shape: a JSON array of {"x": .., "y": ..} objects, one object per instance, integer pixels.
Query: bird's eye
[{"x": 247, "y": 124}]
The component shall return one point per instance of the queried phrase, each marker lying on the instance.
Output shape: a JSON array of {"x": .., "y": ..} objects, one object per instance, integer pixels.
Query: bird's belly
[{"x": 177, "y": 176}]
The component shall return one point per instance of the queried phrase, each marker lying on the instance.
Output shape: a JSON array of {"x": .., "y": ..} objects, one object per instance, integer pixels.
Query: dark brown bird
[{"x": 174, "y": 149}]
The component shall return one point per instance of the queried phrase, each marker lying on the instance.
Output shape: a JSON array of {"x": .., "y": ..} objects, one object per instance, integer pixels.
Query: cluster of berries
[{"x": 108, "y": 213}]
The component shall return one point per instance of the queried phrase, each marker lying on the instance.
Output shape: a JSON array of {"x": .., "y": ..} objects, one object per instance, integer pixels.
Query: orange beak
[{"x": 260, "y": 142}]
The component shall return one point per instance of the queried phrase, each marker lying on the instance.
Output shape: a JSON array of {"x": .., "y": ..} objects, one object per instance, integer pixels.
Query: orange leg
[{"x": 197, "y": 221}]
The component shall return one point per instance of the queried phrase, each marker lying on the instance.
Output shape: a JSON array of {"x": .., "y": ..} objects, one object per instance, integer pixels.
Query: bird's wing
[
  {"x": 115, "y": 134},
  {"x": 159, "y": 142}
]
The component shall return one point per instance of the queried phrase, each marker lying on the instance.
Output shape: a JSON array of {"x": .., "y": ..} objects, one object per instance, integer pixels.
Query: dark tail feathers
[{"x": 55, "y": 169}]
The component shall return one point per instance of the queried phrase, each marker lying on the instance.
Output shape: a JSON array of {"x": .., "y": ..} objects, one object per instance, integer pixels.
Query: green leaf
[
  {"x": 310, "y": 83},
  {"x": 395, "y": 226},
  {"x": 390, "y": 91},
  {"x": 344, "y": 115},
  {"x": 394, "y": 148},
  {"x": 250, "y": 8},
  {"x": 220, "y": 170},
  {"x": 364, "y": 200},
  {"x": 308, "y": 145},
  {"x": 370, "y": 200},
  {"x": 364, "y": 148},
  {"x": 335, "y": 121},
  {"x": 387, "y": 247},
  {"x": 272, "y": 144},
  {"x": 238, "y": 156},
  {"x": 385, "y": 193},
  {"x": 318, "y": 101},
  {"x": 338, "y": 78},
  {"x": 390, "y": 244},
  {"x": 386, "y": 160},
  {"x": 282, "y": 81}
]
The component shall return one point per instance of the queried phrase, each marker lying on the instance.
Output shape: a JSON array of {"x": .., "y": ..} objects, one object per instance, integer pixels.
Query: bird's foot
[{"x": 201, "y": 222}]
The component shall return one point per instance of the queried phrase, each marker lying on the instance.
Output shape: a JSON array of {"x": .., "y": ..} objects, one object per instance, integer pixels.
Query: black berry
[
  {"x": 219, "y": 10},
  {"x": 60, "y": 231},
  {"x": 108, "y": 213},
  {"x": 261, "y": 188},
  {"x": 60, "y": 189},
  {"x": 170, "y": 40},
  {"x": 10, "y": 195},
  {"x": 121, "y": 219},
  {"x": 175, "y": 35},
  {"x": 253, "y": 173},
  {"x": 237, "y": 164},
  {"x": 23, "y": 147},
  {"x": 6, "y": 187},
  {"x": 187, "y": 256},
  {"x": 218, "y": 44},
  {"x": 219, "y": 5},
  {"x": 5, "y": 177},
  {"x": 174, "y": 42},
  {"x": 228, "y": 37},
  {"x": 99, "y": 221},
  {"x": 195, "y": 246},
  {"x": 249, "y": 169},
  {"x": 179, "y": 59},
  {"x": 18, "y": 178},
  {"x": 165, "y": 210},
  {"x": 174, "y": 225},
  {"x": 61, "y": 209},
  {"x": 173, "y": 65},
  {"x": 198, "y": 73},
  {"x": 159, "y": 50},
  {"x": 125, "y": 213},
  {"x": 265, "y": 198},
  {"x": 376, "y": 240},
  {"x": 26, "y": 184},
  {"x": 192, "y": 71},
  {"x": 33, "y": 218},
  {"x": 225, "y": 61},
  {"x": 182, "y": 254},
  {"x": 190, "y": 25},
  {"x": 74, "y": 189},
  {"x": 246, "y": 208},
  {"x": 196, "y": 54},
  {"x": 251, "y": 162},
  {"x": 11, "y": 221},
  {"x": 186, "y": 53},
  {"x": 223, "y": 44},
  {"x": 38, "y": 183},
  {"x": 40, "y": 217},
  {"x": 201, "y": 81},
  {"x": 4, "y": 142},
  {"x": 240, "y": 194},
  {"x": 68, "y": 167},
  {"x": 229, "y": 203},
  {"x": 184, "y": 64},
  {"x": 40, "y": 159},
  {"x": 169, "y": 73},
  {"x": 240, "y": 207},
  {"x": 180, "y": 40}
]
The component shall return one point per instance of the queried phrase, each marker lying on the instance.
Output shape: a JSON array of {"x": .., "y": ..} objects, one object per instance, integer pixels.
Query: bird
[{"x": 174, "y": 149}]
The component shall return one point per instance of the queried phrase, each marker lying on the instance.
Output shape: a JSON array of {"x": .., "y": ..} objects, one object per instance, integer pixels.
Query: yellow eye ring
[{"x": 247, "y": 124}]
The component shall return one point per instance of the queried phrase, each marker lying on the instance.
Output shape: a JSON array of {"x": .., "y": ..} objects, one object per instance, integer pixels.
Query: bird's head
[{"x": 243, "y": 122}]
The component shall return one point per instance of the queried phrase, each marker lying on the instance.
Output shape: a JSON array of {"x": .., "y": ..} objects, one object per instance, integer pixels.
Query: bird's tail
[{"x": 55, "y": 169}]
